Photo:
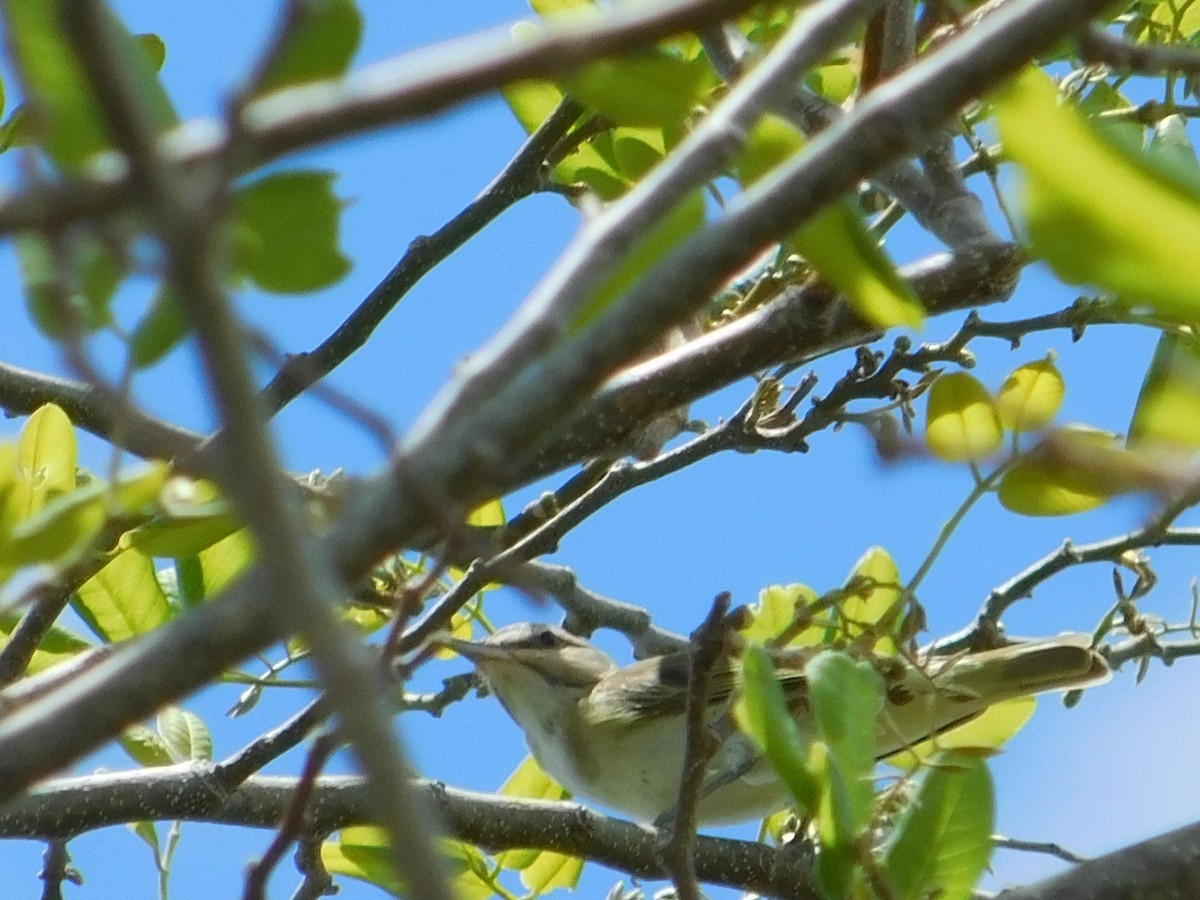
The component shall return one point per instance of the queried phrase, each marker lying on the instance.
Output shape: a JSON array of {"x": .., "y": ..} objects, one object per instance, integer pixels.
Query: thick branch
[{"x": 71, "y": 806}]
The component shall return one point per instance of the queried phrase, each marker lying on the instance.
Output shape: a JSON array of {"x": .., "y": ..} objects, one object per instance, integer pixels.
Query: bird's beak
[{"x": 476, "y": 651}]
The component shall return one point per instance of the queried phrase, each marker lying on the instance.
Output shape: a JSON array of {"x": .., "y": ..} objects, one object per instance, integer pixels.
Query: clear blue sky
[{"x": 1092, "y": 778}]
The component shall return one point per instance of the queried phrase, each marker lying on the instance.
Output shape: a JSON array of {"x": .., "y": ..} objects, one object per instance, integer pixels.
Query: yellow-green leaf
[
  {"x": 961, "y": 421},
  {"x": 1030, "y": 396},
  {"x": 1054, "y": 484},
  {"x": 225, "y": 560},
  {"x": 1168, "y": 406},
  {"x": 988, "y": 732},
  {"x": 776, "y": 609},
  {"x": 145, "y": 746},
  {"x": 185, "y": 734},
  {"x": 124, "y": 598},
  {"x": 1136, "y": 238},
  {"x": 873, "y": 589},
  {"x": 541, "y": 870},
  {"x": 58, "y": 645},
  {"x": 46, "y": 453}
]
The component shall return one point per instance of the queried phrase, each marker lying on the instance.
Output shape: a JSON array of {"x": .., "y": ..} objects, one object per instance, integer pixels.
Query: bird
[{"x": 616, "y": 735}]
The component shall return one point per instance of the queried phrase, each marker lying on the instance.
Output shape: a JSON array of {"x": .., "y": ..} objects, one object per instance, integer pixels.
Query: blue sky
[{"x": 1092, "y": 778}]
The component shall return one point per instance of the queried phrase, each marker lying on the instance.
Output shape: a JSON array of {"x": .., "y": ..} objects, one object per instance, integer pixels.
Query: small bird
[{"x": 616, "y": 735}]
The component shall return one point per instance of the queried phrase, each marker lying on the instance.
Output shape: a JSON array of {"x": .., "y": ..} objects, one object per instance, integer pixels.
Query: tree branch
[{"x": 460, "y": 453}]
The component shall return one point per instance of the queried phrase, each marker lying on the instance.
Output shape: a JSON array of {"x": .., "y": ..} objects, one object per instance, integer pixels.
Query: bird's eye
[{"x": 547, "y": 639}]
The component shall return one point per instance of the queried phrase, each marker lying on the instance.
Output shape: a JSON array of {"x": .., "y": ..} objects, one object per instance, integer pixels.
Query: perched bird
[{"x": 616, "y": 735}]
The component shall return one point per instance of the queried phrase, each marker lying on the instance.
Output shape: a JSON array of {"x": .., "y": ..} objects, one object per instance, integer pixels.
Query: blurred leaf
[
  {"x": 320, "y": 46},
  {"x": 144, "y": 746},
  {"x": 154, "y": 48},
  {"x": 69, "y": 523},
  {"x": 1044, "y": 484},
  {"x": 836, "y": 81},
  {"x": 160, "y": 330},
  {"x": 64, "y": 114},
  {"x": 1136, "y": 238},
  {"x": 286, "y": 232},
  {"x": 942, "y": 840},
  {"x": 835, "y": 241},
  {"x": 1031, "y": 396},
  {"x": 541, "y": 870},
  {"x": 762, "y": 713},
  {"x": 989, "y": 731},
  {"x": 124, "y": 598},
  {"x": 14, "y": 131},
  {"x": 1168, "y": 406},
  {"x": 846, "y": 699},
  {"x": 225, "y": 560},
  {"x": 637, "y": 150},
  {"x": 185, "y": 734},
  {"x": 362, "y": 852},
  {"x": 56, "y": 646},
  {"x": 532, "y": 102},
  {"x": 686, "y": 217},
  {"x": 60, "y": 303},
  {"x": 961, "y": 421},
  {"x": 651, "y": 88}
]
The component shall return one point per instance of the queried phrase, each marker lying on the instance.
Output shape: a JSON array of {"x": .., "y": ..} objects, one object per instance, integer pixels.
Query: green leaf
[
  {"x": 1168, "y": 406},
  {"x": 66, "y": 119},
  {"x": 1136, "y": 238},
  {"x": 145, "y": 747},
  {"x": 160, "y": 330},
  {"x": 846, "y": 699},
  {"x": 1031, "y": 396},
  {"x": 185, "y": 734},
  {"x": 762, "y": 713},
  {"x": 942, "y": 841},
  {"x": 651, "y": 88},
  {"x": 961, "y": 422},
  {"x": 286, "y": 228},
  {"x": 194, "y": 518},
  {"x": 1053, "y": 484},
  {"x": 321, "y": 45},
  {"x": 64, "y": 303},
  {"x": 124, "y": 598},
  {"x": 57, "y": 645},
  {"x": 686, "y": 217},
  {"x": 835, "y": 241},
  {"x": 840, "y": 247}
]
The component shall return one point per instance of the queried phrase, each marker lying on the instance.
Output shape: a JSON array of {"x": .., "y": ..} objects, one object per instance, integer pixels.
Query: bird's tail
[{"x": 943, "y": 693}]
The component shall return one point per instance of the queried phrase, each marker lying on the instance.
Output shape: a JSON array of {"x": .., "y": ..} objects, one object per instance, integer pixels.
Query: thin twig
[{"x": 707, "y": 648}]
